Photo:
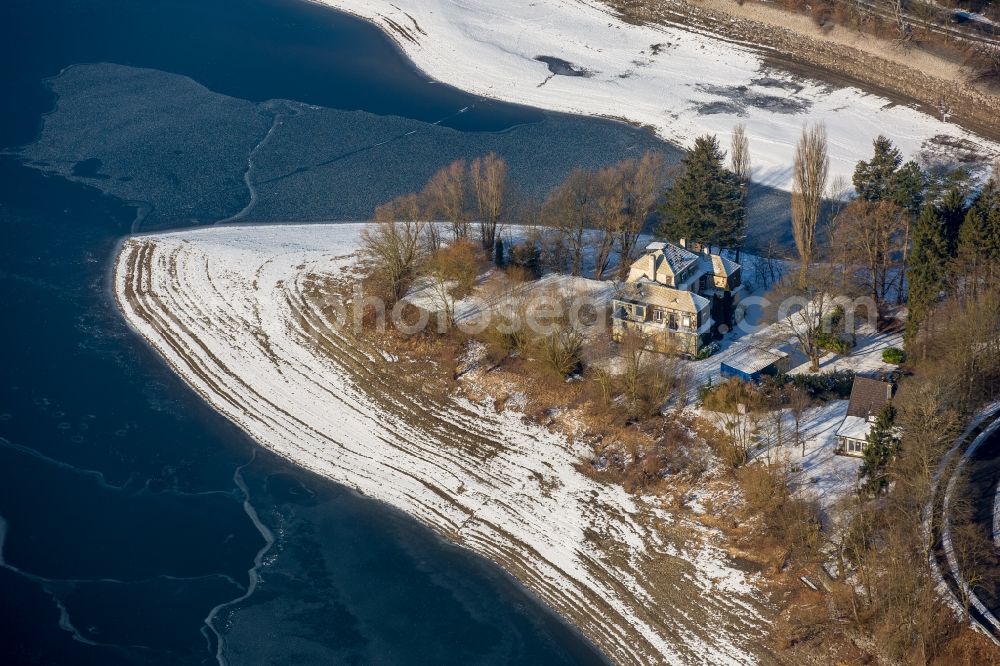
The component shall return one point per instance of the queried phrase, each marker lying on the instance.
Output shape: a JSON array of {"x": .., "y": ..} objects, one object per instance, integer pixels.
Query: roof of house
[
  {"x": 721, "y": 266},
  {"x": 854, "y": 427},
  {"x": 662, "y": 259},
  {"x": 868, "y": 396},
  {"x": 654, "y": 293},
  {"x": 750, "y": 359}
]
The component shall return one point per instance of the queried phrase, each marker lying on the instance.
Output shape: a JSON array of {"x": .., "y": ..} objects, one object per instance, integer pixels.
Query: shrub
[
  {"x": 792, "y": 522},
  {"x": 827, "y": 339},
  {"x": 726, "y": 396},
  {"x": 893, "y": 355},
  {"x": 834, "y": 343},
  {"x": 707, "y": 351},
  {"x": 561, "y": 350},
  {"x": 525, "y": 255},
  {"x": 674, "y": 452},
  {"x": 704, "y": 390},
  {"x": 820, "y": 386}
]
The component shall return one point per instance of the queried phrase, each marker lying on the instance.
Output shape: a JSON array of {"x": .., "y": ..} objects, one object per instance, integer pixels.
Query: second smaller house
[
  {"x": 750, "y": 362},
  {"x": 868, "y": 396}
]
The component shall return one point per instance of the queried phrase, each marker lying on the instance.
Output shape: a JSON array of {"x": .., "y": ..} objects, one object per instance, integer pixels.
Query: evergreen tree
[
  {"x": 498, "y": 258},
  {"x": 978, "y": 247},
  {"x": 927, "y": 268},
  {"x": 953, "y": 211},
  {"x": 874, "y": 180},
  {"x": 909, "y": 184},
  {"x": 883, "y": 445},
  {"x": 704, "y": 204},
  {"x": 886, "y": 178},
  {"x": 987, "y": 207}
]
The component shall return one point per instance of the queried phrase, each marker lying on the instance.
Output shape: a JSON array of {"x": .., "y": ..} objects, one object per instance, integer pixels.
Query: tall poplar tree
[{"x": 809, "y": 172}]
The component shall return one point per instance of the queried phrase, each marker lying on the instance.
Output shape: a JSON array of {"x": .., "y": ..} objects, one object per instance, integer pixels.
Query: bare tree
[
  {"x": 808, "y": 187},
  {"x": 489, "y": 184},
  {"x": 802, "y": 309},
  {"x": 609, "y": 214},
  {"x": 929, "y": 427},
  {"x": 798, "y": 403},
  {"x": 639, "y": 183},
  {"x": 840, "y": 194},
  {"x": 403, "y": 208},
  {"x": 739, "y": 161},
  {"x": 768, "y": 268},
  {"x": 445, "y": 197},
  {"x": 570, "y": 210},
  {"x": 451, "y": 273},
  {"x": 775, "y": 434},
  {"x": 871, "y": 238},
  {"x": 739, "y": 430},
  {"x": 394, "y": 245}
]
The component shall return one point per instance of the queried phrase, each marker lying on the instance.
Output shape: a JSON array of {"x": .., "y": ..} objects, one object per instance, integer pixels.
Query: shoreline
[
  {"x": 262, "y": 357},
  {"x": 691, "y": 83}
]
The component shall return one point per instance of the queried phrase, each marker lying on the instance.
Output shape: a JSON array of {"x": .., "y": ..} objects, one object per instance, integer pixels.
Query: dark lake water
[{"x": 131, "y": 516}]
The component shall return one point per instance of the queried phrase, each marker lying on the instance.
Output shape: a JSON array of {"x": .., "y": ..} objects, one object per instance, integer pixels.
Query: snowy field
[
  {"x": 230, "y": 309},
  {"x": 576, "y": 56}
]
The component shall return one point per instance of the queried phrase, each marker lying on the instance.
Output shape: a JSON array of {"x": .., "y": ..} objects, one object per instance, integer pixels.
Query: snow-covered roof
[
  {"x": 854, "y": 427},
  {"x": 721, "y": 266},
  {"x": 677, "y": 257},
  {"x": 662, "y": 260},
  {"x": 750, "y": 359},
  {"x": 654, "y": 293}
]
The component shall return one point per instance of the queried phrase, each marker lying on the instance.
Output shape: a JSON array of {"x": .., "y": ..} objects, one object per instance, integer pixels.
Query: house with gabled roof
[
  {"x": 868, "y": 396},
  {"x": 669, "y": 296}
]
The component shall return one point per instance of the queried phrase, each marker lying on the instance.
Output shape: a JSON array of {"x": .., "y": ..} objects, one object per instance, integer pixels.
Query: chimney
[{"x": 683, "y": 243}]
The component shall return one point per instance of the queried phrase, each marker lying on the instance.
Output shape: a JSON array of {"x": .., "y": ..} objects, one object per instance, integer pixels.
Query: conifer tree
[
  {"x": 704, "y": 204},
  {"x": 978, "y": 247},
  {"x": 883, "y": 445},
  {"x": 886, "y": 178},
  {"x": 909, "y": 186},
  {"x": 953, "y": 211},
  {"x": 874, "y": 180},
  {"x": 927, "y": 270}
]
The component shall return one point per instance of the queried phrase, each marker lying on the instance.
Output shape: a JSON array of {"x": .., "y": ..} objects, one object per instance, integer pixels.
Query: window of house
[
  {"x": 639, "y": 311},
  {"x": 686, "y": 321},
  {"x": 673, "y": 320},
  {"x": 658, "y": 315}
]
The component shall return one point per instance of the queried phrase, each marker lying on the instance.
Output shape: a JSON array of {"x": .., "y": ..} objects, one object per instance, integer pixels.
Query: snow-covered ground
[
  {"x": 682, "y": 82},
  {"x": 820, "y": 474},
  {"x": 817, "y": 473},
  {"x": 234, "y": 310}
]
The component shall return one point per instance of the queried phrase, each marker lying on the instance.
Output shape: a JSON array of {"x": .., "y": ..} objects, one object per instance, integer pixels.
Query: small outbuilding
[{"x": 750, "y": 363}]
